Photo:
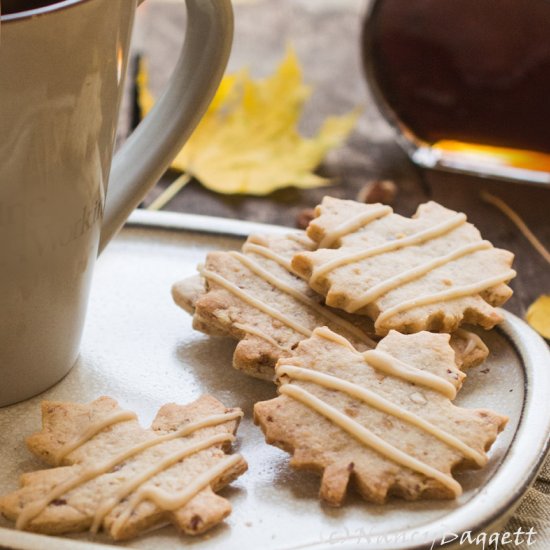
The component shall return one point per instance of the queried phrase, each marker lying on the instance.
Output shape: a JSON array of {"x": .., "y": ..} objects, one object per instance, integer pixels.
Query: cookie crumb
[{"x": 418, "y": 398}]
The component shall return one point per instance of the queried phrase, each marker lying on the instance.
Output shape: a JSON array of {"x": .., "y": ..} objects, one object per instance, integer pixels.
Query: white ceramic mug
[{"x": 62, "y": 70}]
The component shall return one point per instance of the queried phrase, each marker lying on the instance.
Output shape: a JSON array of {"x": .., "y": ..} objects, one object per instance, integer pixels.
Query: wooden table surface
[{"x": 325, "y": 35}]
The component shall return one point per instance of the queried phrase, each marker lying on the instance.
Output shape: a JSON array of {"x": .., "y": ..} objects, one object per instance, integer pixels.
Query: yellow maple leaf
[
  {"x": 248, "y": 140},
  {"x": 538, "y": 315}
]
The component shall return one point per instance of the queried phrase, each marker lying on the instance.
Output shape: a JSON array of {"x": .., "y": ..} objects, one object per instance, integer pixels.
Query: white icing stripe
[
  {"x": 473, "y": 341},
  {"x": 353, "y": 225},
  {"x": 378, "y": 402},
  {"x": 93, "y": 429},
  {"x": 31, "y": 510},
  {"x": 163, "y": 464},
  {"x": 302, "y": 240},
  {"x": 281, "y": 285},
  {"x": 327, "y": 334},
  {"x": 166, "y": 501},
  {"x": 269, "y": 254},
  {"x": 388, "y": 364},
  {"x": 414, "y": 273},
  {"x": 368, "y": 438},
  {"x": 230, "y": 287},
  {"x": 416, "y": 238},
  {"x": 450, "y": 294},
  {"x": 257, "y": 332}
]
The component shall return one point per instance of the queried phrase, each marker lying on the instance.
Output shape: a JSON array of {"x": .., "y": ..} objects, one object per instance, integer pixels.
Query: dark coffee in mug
[{"x": 15, "y": 6}]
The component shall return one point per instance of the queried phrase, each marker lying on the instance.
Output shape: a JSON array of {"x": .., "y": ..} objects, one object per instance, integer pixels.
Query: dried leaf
[
  {"x": 248, "y": 141},
  {"x": 538, "y": 315}
]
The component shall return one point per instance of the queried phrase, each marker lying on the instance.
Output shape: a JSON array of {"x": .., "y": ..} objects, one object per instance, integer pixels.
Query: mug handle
[{"x": 150, "y": 149}]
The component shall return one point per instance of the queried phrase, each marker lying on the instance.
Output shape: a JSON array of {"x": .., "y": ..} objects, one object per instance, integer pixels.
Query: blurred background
[{"x": 326, "y": 35}]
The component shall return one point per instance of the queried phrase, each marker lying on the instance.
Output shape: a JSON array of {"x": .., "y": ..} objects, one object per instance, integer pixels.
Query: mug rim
[{"x": 28, "y": 14}]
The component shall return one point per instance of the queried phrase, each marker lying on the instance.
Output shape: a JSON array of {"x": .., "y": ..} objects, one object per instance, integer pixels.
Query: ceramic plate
[{"x": 140, "y": 348}]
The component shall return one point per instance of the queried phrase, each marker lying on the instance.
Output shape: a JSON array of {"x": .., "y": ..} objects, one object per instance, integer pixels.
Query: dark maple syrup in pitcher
[{"x": 466, "y": 77}]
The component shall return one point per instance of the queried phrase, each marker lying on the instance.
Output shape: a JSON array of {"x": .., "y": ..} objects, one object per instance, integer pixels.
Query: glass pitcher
[{"x": 466, "y": 83}]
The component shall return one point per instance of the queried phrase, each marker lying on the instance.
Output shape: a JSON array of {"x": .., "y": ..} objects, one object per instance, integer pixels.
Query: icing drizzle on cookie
[
  {"x": 376, "y": 401},
  {"x": 253, "y": 301},
  {"x": 302, "y": 240},
  {"x": 416, "y": 238},
  {"x": 354, "y": 224},
  {"x": 134, "y": 483},
  {"x": 91, "y": 431},
  {"x": 170, "y": 501},
  {"x": 445, "y": 295},
  {"x": 388, "y": 364},
  {"x": 269, "y": 254},
  {"x": 473, "y": 341},
  {"x": 249, "y": 329},
  {"x": 88, "y": 473},
  {"x": 414, "y": 273},
  {"x": 368, "y": 438},
  {"x": 378, "y": 287},
  {"x": 278, "y": 283},
  {"x": 287, "y": 373},
  {"x": 258, "y": 270}
]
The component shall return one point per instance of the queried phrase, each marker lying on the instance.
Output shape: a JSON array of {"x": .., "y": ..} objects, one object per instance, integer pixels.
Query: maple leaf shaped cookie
[
  {"x": 382, "y": 419},
  {"x": 262, "y": 272},
  {"x": 110, "y": 473},
  {"x": 254, "y": 297},
  {"x": 429, "y": 272},
  {"x": 470, "y": 350},
  {"x": 186, "y": 293}
]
